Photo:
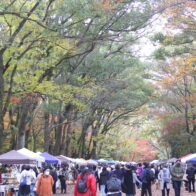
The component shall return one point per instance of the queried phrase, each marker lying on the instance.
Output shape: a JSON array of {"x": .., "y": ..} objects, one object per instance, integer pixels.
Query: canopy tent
[
  {"x": 29, "y": 153},
  {"x": 185, "y": 156},
  {"x": 185, "y": 159},
  {"x": 63, "y": 159},
  {"x": 192, "y": 161},
  {"x": 14, "y": 157},
  {"x": 49, "y": 158}
]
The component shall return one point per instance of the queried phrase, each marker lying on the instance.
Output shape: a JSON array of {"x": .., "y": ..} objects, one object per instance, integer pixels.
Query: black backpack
[
  {"x": 150, "y": 176},
  {"x": 82, "y": 185},
  {"x": 113, "y": 184}
]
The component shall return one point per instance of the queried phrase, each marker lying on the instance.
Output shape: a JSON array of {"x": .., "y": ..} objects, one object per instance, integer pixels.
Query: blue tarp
[
  {"x": 193, "y": 160},
  {"x": 49, "y": 158}
]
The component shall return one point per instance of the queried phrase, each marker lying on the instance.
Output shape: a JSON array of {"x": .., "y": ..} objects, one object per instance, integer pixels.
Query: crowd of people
[
  {"x": 109, "y": 180},
  {"x": 130, "y": 178}
]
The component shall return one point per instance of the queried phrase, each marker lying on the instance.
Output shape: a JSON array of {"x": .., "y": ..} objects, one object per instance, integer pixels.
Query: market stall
[{"x": 10, "y": 182}]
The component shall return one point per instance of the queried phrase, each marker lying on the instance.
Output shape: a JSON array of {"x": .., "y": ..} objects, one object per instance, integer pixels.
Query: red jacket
[{"x": 91, "y": 185}]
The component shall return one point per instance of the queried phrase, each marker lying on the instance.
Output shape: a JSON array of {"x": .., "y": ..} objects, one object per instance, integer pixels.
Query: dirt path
[{"x": 155, "y": 192}]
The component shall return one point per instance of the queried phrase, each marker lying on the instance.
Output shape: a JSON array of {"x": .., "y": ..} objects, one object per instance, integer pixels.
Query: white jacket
[
  {"x": 29, "y": 175},
  {"x": 164, "y": 174}
]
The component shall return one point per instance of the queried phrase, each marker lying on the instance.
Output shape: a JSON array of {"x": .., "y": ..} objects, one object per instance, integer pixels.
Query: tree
[
  {"x": 177, "y": 81},
  {"x": 42, "y": 37}
]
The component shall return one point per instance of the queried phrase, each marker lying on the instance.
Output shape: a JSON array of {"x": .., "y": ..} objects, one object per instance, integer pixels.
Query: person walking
[
  {"x": 165, "y": 180},
  {"x": 25, "y": 181},
  {"x": 139, "y": 174},
  {"x": 147, "y": 179},
  {"x": 63, "y": 177},
  {"x": 33, "y": 179},
  {"x": 54, "y": 175},
  {"x": 85, "y": 184},
  {"x": 128, "y": 186},
  {"x": 45, "y": 184},
  {"x": 191, "y": 172},
  {"x": 104, "y": 176},
  {"x": 177, "y": 173}
]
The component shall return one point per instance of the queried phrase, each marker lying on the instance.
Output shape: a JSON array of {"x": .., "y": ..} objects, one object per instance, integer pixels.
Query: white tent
[
  {"x": 183, "y": 160},
  {"x": 32, "y": 154}
]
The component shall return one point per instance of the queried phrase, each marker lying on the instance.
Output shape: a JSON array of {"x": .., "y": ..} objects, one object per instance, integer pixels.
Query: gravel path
[{"x": 155, "y": 192}]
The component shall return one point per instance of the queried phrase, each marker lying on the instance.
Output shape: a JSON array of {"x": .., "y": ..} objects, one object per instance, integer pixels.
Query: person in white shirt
[
  {"x": 33, "y": 180},
  {"x": 25, "y": 181}
]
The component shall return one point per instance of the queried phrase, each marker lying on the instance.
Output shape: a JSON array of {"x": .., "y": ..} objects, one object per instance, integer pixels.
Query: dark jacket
[
  {"x": 127, "y": 183},
  {"x": 191, "y": 172},
  {"x": 144, "y": 175},
  {"x": 104, "y": 176},
  {"x": 54, "y": 175}
]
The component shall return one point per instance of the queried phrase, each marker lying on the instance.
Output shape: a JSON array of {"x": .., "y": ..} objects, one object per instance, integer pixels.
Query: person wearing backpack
[
  {"x": 165, "y": 180},
  {"x": 85, "y": 184},
  {"x": 113, "y": 186},
  {"x": 147, "y": 179},
  {"x": 25, "y": 181},
  {"x": 191, "y": 172},
  {"x": 118, "y": 171}
]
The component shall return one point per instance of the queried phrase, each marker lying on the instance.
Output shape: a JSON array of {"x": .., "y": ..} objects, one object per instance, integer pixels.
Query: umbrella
[
  {"x": 102, "y": 161},
  {"x": 93, "y": 162},
  {"x": 172, "y": 160},
  {"x": 112, "y": 162}
]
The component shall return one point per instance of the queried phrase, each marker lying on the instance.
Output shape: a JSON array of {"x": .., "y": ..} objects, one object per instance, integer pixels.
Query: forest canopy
[{"x": 72, "y": 82}]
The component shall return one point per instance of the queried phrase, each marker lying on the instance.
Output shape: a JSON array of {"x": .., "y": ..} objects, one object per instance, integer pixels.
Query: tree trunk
[
  {"x": 1, "y": 101},
  {"x": 34, "y": 143},
  {"x": 46, "y": 132},
  {"x": 58, "y": 136},
  {"x": 82, "y": 146},
  {"x": 94, "y": 148},
  {"x": 62, "y": 147},
  {"x": 186, "y": 110},
  {"x": 22, "y": 124},
  {"x": 68, "y": 140},
  {"x": 69, "y": 115}
]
